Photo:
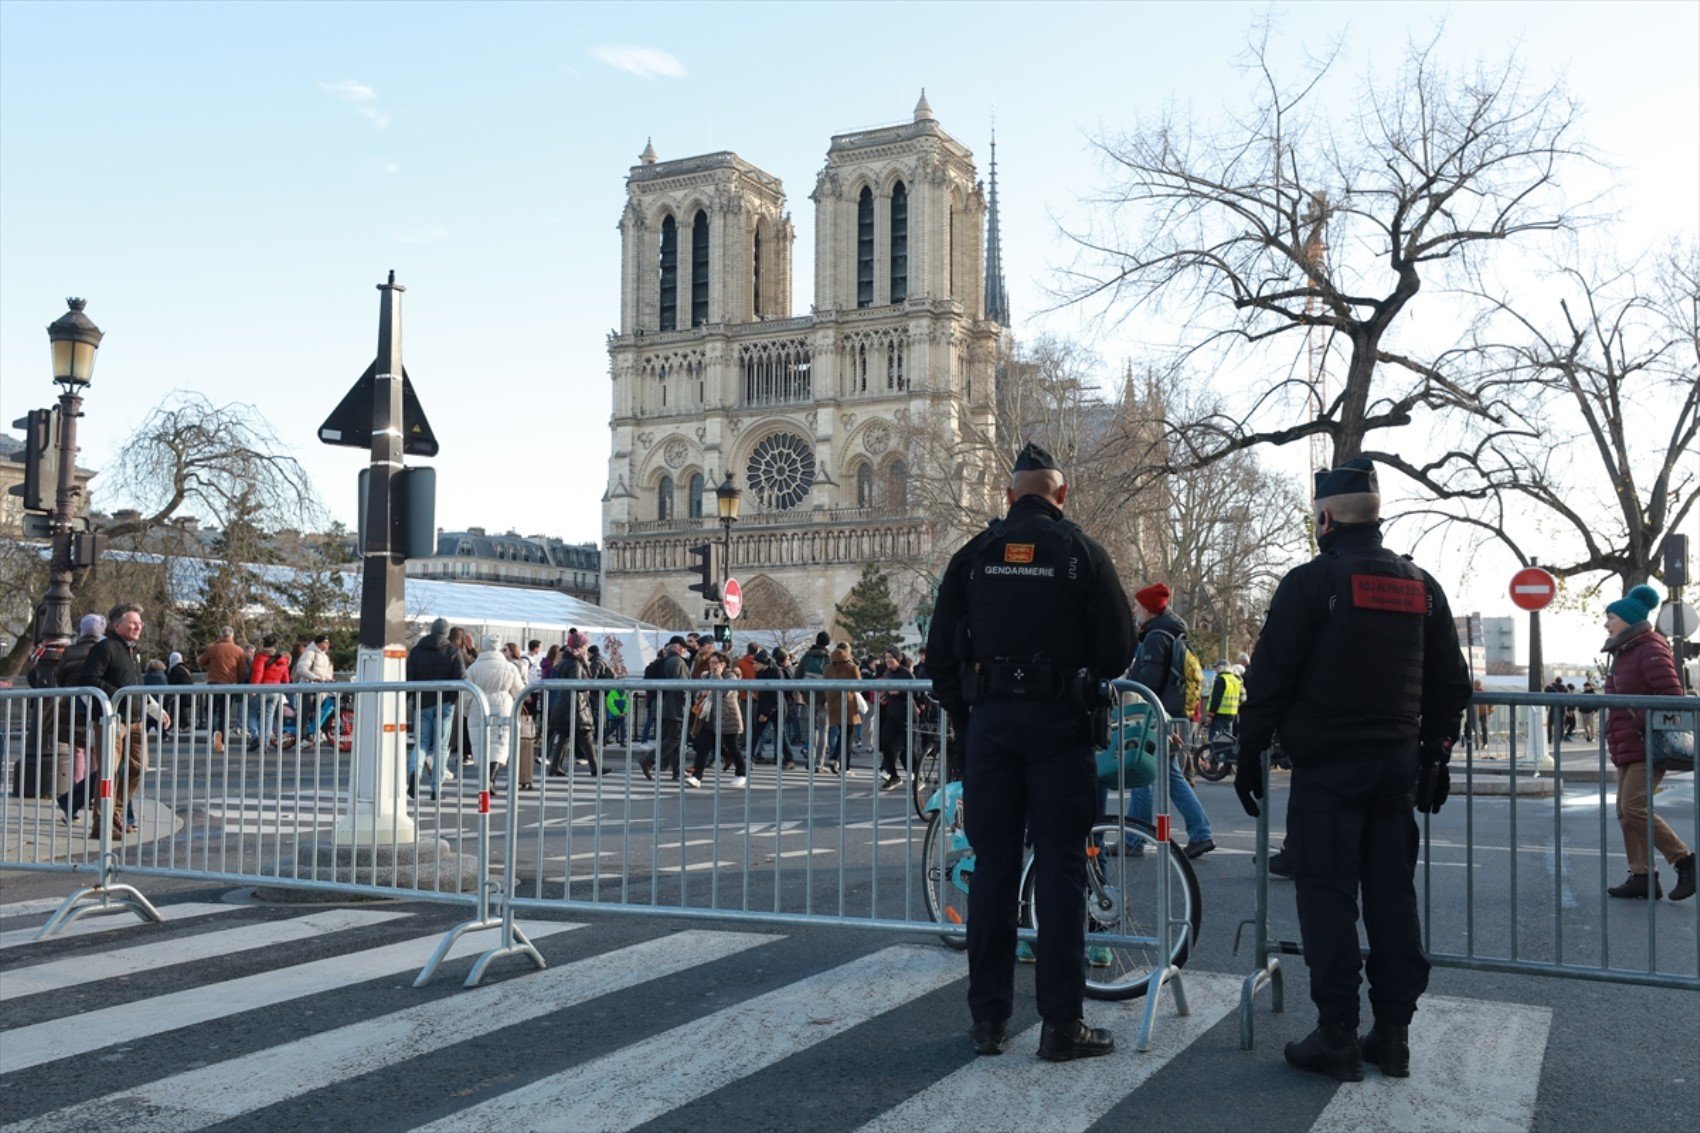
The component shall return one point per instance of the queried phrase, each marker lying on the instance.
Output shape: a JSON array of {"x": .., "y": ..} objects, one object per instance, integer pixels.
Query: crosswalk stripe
[
  {"x": 208, "y": 1095},
  {"x": 1019, "y": 1091},
  {"x": 1470, "y": 1069},
  {"x": 118, "y": 916},
  {"x": 79, "y": 1034},
  {"x": 622, "y": 1090},
  {"x": 56, "y": 975},
  {"x": 31, "y": 907}
]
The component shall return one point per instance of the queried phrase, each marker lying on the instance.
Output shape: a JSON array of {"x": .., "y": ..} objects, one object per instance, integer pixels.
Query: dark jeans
[
  {"x": 1351, "y": 827},
  {"x": 1030, "y": 771},
  {"x": 731, "y": 751}
]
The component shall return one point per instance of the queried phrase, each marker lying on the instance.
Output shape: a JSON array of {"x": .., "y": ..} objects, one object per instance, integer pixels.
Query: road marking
[
  {"x": 1019, "y": 1091},
  {"x": 208, "y": 1095},
  {"x": 116, "y": 916},
  {"x": 128, "y": 1022},
  {"x": 624, "y": 1089},
  {"x": 1471, "y": 1066},
  {"x": 55, "y": 975},
  {"x": 32, "y": 907}
]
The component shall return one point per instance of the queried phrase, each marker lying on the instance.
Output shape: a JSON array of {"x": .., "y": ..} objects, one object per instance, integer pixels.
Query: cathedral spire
[{"x": 997, "y": 298}]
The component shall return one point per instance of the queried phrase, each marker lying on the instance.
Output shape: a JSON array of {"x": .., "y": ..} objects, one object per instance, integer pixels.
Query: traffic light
[
  {"x": 709, "y": 570},
  {"x": 40, "y": 459},
  {"x": 1675, "y": 551},
  {"x": 413, "y": 512},
  {"x": 723, "y": 635}
]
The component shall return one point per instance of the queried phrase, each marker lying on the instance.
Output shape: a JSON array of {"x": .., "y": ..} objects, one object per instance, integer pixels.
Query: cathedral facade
[{"x": 811, "y": 416}]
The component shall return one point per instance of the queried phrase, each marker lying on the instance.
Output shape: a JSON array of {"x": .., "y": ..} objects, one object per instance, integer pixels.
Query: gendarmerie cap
[
  {"x": 1351, "y": 478},
  {"x": 1034, "y": 458}
]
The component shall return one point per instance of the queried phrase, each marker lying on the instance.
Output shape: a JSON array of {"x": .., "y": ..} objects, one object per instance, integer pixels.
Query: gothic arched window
[
  {"x": 755, "y": 270},
  {"x": 865, "y": 248},
  {"x": 864, "y": 486},
  {"x": 899, "y": 243},
  {"x": 693, "y": 497},
  {"x": 669, "y": 275},
  {"x": 664, "y": 498},
  {"x": 699, "y": 269},
  {"x": 899, "y": 484}
]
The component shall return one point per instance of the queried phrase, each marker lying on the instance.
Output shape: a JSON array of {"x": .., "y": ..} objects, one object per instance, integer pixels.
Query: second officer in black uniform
[
  {"x": 1359, "y": 669},
  {"x": 1030, "y": 617}
]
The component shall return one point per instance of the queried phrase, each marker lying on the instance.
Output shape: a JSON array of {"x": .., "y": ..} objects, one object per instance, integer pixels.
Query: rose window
[{"x": 781, "y": 471}]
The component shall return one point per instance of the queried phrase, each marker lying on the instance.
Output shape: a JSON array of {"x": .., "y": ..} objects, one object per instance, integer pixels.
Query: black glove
[
  {"x": 1248, "y": 781},
  {"x": 1434, "y": 781}
]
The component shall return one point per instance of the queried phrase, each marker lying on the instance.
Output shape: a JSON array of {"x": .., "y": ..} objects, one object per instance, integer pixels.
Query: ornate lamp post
[
  {"x": 74, "y": 339},
  {"x": 727, "y": 498}
]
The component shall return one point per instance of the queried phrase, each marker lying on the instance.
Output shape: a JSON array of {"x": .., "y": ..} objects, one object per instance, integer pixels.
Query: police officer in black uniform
[
  {"x": 1359, "y": 669},
  {"x": 1030, "y": 618}
]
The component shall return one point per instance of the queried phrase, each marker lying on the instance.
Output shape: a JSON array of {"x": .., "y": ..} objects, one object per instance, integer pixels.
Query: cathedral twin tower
[{"x": 819, "y": 418}]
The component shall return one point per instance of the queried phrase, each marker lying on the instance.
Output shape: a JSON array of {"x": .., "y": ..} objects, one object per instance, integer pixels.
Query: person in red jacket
[
  {"x": 270, "y": 667},
  {"x": 1641, "y": 665}
]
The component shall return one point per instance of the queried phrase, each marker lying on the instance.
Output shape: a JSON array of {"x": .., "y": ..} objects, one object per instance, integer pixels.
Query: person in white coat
[{"x": 500, "y": 680}]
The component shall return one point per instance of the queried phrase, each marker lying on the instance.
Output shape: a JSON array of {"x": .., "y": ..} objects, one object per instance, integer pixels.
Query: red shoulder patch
[{"x": 1395, "y": 595}]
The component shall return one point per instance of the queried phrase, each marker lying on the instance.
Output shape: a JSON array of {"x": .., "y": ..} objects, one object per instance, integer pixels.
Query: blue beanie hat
[{"x": 1636, "y": 606}]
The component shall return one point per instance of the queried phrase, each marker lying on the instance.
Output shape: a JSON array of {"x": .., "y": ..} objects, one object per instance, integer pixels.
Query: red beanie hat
[{"x": 1154, "y": 597}]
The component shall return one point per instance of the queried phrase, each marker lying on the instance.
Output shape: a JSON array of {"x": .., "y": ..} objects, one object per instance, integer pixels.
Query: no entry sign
[
  {"x": 732, "y": 598},
  {"x": 1533, "y": 588}
]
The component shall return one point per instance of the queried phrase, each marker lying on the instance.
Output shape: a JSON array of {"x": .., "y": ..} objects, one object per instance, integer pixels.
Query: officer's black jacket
[
  {"x": 1099, "y": 636},
  {"x": 1359, "y": 657}
]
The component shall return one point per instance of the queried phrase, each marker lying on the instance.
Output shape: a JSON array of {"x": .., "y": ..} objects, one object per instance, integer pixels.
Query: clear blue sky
[{"x": 227, "y": 182}]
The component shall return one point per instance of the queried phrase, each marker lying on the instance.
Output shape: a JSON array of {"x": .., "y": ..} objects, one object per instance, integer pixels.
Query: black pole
[
  {"x": 383, "y": 588},
  {"x": 1537, "y": 678}
]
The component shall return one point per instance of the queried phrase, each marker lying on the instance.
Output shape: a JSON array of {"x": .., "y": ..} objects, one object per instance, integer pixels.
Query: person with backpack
[
  {"x": 1160, "y": 664},
  {"x": 812, "y": 667}
]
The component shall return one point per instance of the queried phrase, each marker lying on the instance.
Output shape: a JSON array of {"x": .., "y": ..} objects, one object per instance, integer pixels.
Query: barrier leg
[
  {"x": 105, "y": 893},
  {"x": 1268, "y": 971},
  {"x": 99, "y": 898}
]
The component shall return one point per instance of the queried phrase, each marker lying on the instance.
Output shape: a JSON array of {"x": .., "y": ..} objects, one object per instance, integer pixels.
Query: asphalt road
[{"x": 723, "y": 1023}]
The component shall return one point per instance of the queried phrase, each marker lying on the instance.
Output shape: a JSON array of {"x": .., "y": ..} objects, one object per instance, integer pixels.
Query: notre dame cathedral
[{"x": 714, "y": 376}]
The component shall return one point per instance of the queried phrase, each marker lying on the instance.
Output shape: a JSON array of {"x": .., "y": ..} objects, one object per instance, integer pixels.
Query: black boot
[
  {"x": 1684, "y": 887},
  {"x": 1330, "y": 1050},
  {"x": 412, "y": 786},
  {"x": 1636, "y": 887},
  {"x": 1062, "y": 1042},
  {"x": 1388, "y": 1047},
  {"x": 989, "y": 1038}
]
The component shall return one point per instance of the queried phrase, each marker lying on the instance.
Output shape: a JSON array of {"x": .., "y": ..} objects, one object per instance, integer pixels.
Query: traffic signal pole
[{"x": 378, "y": 813}]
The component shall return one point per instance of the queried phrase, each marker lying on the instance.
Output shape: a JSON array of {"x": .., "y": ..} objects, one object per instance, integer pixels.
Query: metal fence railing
[{"x": 1514, "y": 869}]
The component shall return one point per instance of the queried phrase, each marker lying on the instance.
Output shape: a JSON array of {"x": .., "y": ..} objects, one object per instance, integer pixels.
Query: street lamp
[
  {"x": 726, "y": 500},
  {"x": 74, "y": 339}
]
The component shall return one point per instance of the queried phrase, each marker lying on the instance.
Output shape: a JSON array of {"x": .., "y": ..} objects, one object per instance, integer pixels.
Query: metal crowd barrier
[
  {"x": 266, "y": 785},
  {"x": 249, "y": 784},
  {"x": 1556, "y": 919}
]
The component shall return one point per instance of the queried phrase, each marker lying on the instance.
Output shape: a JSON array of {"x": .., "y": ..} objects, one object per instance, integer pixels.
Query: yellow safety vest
[{"x": 1231, "y": 687}]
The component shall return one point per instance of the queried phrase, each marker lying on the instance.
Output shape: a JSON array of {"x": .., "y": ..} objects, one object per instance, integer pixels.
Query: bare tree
[
  {"x": 1219, "y": 534},
  {"x": 1283, "y": 228},
  {"x": 223, "y": 462},
  {"x": 1607, "y": 375}
]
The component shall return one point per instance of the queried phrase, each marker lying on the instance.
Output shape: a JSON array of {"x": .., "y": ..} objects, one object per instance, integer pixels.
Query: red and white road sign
[
  {"x": 1533, "y": 588},
  {"x": 732, "y": 598}
]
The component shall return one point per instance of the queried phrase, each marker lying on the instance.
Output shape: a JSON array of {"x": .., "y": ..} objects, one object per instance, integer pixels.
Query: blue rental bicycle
[{"x": 1123, "y": 860}]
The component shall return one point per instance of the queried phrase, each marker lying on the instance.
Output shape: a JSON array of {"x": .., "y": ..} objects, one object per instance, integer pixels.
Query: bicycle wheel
[
  {"x": 1121, "y": 900},
  {"x": 1212, "y": 766},
  {"x": 926, "y": 778},
  {"x": 945, "y": 875}
]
